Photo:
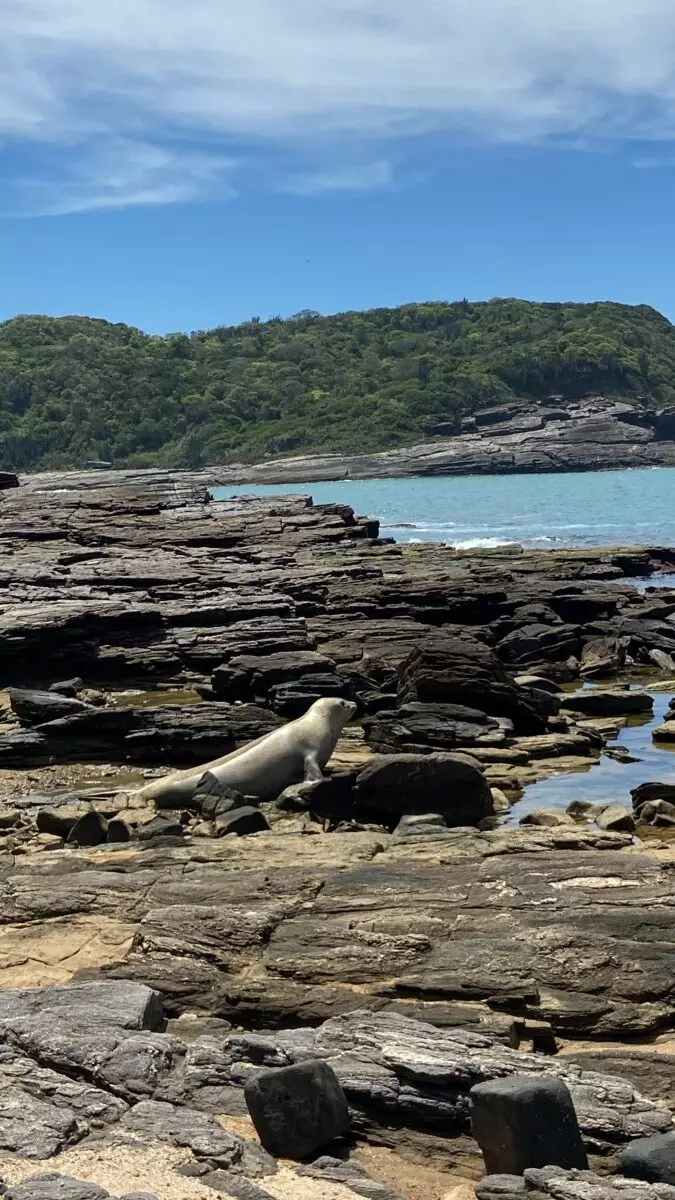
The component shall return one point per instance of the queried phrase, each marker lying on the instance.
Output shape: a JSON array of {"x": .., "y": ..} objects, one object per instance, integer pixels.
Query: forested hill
[{"x": 74, "y": 388}]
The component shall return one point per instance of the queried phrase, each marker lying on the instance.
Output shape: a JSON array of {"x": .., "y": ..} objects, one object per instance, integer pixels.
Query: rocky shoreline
[
  {"x": 590, "y": 434},
  {"x": 384, "y": 921}
]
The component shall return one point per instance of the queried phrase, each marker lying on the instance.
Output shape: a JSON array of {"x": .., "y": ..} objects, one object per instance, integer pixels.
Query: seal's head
[{"x": 338, "y": 712}]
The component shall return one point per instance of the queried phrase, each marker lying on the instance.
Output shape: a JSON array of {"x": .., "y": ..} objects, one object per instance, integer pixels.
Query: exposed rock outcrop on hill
[{"x": 589, "y": 435}]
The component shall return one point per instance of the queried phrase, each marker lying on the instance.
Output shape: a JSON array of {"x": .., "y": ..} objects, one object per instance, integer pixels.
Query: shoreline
[
  {"x": 597, "y": 434},
  {"x": 287, "y": 472}
]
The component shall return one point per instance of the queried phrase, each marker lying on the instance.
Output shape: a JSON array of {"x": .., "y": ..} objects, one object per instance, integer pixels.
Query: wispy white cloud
[
  {"x": 301, "y": 70},
  {"x": 364, "y": 177},
  {"x": 654, "y": 162},
  {"x": 119, "y": 173}
]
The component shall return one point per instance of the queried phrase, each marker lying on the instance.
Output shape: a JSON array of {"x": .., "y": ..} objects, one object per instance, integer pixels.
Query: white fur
[{"x": 294, "y": 753}]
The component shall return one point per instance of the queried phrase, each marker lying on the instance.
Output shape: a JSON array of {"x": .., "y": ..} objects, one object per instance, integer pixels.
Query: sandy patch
[
  {"x": 125, "y": 1169},
  {"x": 49, "y": 952},
  {"x": 413, "y": 1180},
  {"x": 118, "y": 1169}
]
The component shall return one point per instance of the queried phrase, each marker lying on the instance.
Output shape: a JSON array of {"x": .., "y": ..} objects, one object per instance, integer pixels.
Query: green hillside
[{"x": 74, "y": 388}]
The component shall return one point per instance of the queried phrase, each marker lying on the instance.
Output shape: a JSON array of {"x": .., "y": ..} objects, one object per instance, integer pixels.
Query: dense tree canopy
[{"x": 73, "y": 388}]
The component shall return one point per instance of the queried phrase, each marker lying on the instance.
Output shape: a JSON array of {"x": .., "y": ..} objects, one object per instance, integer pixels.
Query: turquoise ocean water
[{"x": 576, "y": 509}]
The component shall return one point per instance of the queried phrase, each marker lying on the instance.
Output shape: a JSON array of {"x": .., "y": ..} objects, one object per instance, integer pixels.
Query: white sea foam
[{"x": 485, "y": 543}]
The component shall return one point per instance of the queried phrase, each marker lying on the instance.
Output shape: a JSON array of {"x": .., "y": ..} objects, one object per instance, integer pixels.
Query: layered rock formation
[
  {"x": 570, "y": 435},
  {"x": 380, "y": 920}
]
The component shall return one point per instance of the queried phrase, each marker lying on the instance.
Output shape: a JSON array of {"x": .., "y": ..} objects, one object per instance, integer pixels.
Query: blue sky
[{"x": 179, "y": 166}]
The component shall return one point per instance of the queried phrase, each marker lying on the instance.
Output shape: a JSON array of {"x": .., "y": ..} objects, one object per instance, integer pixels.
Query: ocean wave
[
  {"x": 486, "y": 543},
  {"x": 481, "y": 543}
]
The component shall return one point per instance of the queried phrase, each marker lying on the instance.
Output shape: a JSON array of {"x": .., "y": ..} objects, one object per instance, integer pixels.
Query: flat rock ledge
[
  {"x": 95, "y": 1060},
  {"x": 557, "y": 1184}
]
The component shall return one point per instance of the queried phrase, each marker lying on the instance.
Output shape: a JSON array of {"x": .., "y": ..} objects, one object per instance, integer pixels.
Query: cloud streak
[
  {"x": 302, "y": 71},
  {"x": 364, "y": 177},
  {"x": 118, "y": 173}
]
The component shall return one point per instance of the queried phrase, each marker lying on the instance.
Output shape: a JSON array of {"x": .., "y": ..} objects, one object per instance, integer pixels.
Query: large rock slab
[
  {"x": 176, "y": 735},
  {"x": 530, "y": 922},
  {"x": 597, "y": 702},
  {"x": 35, "y": 708},
  {"x": 461, "y": 670},
  {"x": 251, "y": 676},
  {"x": 416, "y": 728}
]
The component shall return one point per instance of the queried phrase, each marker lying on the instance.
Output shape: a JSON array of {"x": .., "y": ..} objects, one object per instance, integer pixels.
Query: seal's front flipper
[{"x": 313, "y": 772}]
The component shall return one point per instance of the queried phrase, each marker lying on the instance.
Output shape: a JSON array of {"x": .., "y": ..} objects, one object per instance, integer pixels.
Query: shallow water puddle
[
  {"x": 607, "y": 781},
  {"x": 153, "y": 699}
]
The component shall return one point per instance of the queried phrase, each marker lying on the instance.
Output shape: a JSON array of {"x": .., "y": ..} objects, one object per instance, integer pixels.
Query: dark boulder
[
  {"x": 36, "y": 708},
  {"x": 160, "y": 827},
  {"x": 118, "y": 831},
  {"x": 415, "y": 728},
  {"x": 249, "y": 676},
  {"x": 452, "y": 785},
  {"x": 8, "y": 480},
  {"x": 90, "y": 830},
  {"x": 291, "y": 700},
  {"x": 524, "y": 1121},
  {"x": 332, "y": 797},
  {"x": 212, "y": 798},
  {"x": 446, "y": 669},
  {"x": 538, "y": 643},
  {"x": 241, "y": 821},
  {"x": 298, "y": 1109},
  {"x": 651, "y": 1159}
]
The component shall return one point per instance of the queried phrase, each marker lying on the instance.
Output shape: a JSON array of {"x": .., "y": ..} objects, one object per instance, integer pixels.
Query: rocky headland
[
  {"x": 589, "y": 434},
  {"x": 392, "y": 921}
]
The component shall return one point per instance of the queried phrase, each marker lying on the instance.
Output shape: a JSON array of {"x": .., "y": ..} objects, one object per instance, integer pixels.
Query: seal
[{"x": 294, "y": 753}]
